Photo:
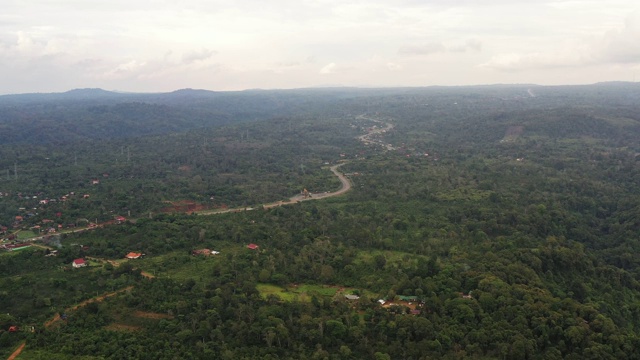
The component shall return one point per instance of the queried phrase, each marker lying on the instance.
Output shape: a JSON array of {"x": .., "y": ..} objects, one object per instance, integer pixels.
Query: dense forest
[{"x": 497, "y": 222}]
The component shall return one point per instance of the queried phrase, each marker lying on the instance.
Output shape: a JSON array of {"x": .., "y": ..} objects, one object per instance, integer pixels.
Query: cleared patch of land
[
  {"x": 303, "y": 292},
  {"x": 122, "y": 327},
  {"x": 151, "y": 315}
]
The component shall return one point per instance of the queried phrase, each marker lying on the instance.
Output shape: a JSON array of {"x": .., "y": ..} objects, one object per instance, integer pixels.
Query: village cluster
[{"x": 29, "y": 217}]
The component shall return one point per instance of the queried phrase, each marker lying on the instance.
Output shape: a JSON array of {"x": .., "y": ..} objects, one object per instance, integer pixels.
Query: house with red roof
[
  {"x": 78, "y": 263},
  {"x": 120, "y": 219},
  {"x": 133, "y": 255},
  {"x": 252, "y": 246}
]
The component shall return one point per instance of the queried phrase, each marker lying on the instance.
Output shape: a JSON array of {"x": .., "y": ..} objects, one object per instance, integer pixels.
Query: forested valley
[{"x": 494, "y": 222}]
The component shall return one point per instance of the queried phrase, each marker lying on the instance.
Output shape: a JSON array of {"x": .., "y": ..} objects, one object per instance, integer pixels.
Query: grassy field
[
  {"x": 391, "y": 256},
  {"x": 179, "y": 265},
  {"x": 26, "y": 234},
  {"x": 303, "y": 292}
]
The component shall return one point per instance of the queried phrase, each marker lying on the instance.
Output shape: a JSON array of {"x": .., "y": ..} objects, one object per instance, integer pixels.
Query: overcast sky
[{"x": 152, "y": 46}]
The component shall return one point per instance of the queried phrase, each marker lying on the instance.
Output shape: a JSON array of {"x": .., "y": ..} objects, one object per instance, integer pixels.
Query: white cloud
[
  {"x": 425, "y": 49},
  {"x": 284, "y": 43},
  {"x": 394, "y": 66},
  {"x": 328, "y": 69},
  {"x": 200, "y": 55},
  {"x": 621, "y": 45},
  {"x": 617, "y": 46},
  {"x": 438, "y": 47}
]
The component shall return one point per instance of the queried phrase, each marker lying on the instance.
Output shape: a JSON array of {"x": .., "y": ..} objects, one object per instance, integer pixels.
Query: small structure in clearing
[
  {"x": 78, "y": 263},
  {"x": 205, "y": 252}
]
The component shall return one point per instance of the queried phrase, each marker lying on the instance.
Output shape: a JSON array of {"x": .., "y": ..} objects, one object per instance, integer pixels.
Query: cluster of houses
[
  {"x": 81, "y": 262},
  {"x": 43, "y": 202}
]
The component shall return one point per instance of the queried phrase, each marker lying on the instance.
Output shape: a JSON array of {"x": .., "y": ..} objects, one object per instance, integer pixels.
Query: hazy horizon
[
  {"x": 311, "y": 88},
  {"x": 133, "y": 47}
]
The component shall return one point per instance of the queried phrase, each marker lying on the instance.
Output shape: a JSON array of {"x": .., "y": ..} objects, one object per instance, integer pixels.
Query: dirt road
[
  {"x": 56, "y": 318},
  {"x": 17, "y": 352}
]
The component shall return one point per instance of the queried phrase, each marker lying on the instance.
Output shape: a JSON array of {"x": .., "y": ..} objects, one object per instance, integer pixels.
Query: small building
[
  {"x": 17, "y": 247},
  {"x": 133, "y": 255},
  {"x": 13, "y": 328},
  {"x": 252, "y": 246},
  {"x": 120, "y": 219},
  {"x": 213, "y": 252},
  {"x": 78, "y": 263},
  {"x": 95, "y": 182},
  {"x": 352, "y": 297},
  {"x": 381, "y": 302}
]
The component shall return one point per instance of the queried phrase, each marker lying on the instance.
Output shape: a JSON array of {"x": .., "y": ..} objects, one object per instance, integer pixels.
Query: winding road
[{"x": 346, "y": 184}]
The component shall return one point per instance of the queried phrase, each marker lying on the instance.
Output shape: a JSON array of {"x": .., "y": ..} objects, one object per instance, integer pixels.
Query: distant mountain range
[{"x": 85, "y": 114}]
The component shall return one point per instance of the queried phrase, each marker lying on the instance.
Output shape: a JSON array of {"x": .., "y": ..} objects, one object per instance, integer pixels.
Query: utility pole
[{"x": 15, "y": 170}]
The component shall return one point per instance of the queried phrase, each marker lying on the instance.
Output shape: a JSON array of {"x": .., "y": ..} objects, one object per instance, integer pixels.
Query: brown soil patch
[
  {"x": 150, "y": 315},
  {"x": 183, "y": 206},
  {"x": 122, "y": 327},
  {"x": 147, "y": 275}
]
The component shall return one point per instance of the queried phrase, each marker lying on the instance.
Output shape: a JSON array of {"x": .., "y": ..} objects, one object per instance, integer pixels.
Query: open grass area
[
  {"x": 181, "y": 265},
  {"x": 269, "y": 289},
  {"x": 303, "y": 292},
  {"x": 26, "y": 234},
  {"x": 177, "y": 265}
]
